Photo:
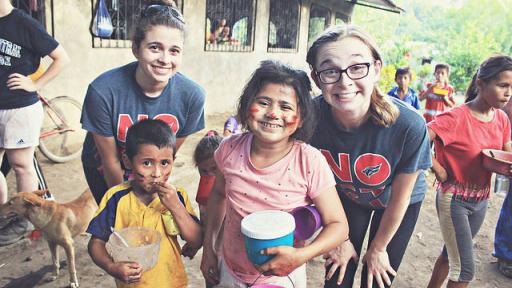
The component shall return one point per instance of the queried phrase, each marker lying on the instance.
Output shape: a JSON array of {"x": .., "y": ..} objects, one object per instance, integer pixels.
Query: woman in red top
[{"x": 459, "y": 135}]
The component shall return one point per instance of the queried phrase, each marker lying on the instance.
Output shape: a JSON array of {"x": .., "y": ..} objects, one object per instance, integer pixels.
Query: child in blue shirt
[{"x": 403, "y": 77}]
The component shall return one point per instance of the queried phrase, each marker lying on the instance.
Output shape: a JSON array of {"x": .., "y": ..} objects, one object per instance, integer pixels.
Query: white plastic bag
[{"x": 102, "y": 24}]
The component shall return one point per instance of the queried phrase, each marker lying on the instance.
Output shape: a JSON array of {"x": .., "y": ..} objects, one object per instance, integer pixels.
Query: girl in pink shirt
[{"x": 270, "y": 167}]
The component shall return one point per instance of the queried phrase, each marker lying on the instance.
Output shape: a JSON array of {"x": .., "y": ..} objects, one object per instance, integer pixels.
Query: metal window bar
[
  {"x": 341, "y": 18},
  {"x": 238, "y": 27},
  {"x": 36, "y": 9},
  {"x": 283, "y": 26},
  {"x": 318, "y": 19},
  {"x": 124, "y": 14}
]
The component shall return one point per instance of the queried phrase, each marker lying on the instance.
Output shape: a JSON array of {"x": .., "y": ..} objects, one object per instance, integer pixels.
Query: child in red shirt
[
  {"x": 439, "y": 94},
  {"x": 459, "y": 135}
]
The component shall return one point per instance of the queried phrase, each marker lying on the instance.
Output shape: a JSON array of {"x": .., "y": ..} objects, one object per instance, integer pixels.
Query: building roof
[{"x": 386, "y": 5}]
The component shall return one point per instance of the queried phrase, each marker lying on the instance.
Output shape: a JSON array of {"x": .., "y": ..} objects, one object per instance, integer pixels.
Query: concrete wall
[{"x": 222, "y": 74}]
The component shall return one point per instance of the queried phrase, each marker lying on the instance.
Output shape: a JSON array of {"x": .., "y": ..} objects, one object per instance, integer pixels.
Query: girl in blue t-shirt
[
  {"x": 114, "y": 101},
  {"x": 377, "y": 148},
  {"x": 24, "y": 43}
]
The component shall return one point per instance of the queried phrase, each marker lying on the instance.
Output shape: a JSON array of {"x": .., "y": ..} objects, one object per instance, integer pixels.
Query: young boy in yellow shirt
[{"x": 147, "y": 201}]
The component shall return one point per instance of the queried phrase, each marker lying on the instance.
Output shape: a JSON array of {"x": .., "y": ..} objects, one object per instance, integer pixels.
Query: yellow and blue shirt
[{"x": 120, "y": 208}]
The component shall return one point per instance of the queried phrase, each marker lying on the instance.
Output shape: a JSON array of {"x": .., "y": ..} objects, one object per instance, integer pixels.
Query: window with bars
[
  {"x": 318, "y": 20},
  {"x": 341, "y": 19},
  {"x": 124, "y": 14},
  {"x": 36, "y": 9},
  {"x": 229, "y": 25},
  {"x": 283, "y": 26}
]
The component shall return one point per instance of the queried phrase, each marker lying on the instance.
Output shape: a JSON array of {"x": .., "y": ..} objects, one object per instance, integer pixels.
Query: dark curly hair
[{"x": 271, "y": 71}]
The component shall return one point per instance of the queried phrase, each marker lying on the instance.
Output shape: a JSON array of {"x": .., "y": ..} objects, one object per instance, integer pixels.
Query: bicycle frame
[{"x": 61, "y": 121}]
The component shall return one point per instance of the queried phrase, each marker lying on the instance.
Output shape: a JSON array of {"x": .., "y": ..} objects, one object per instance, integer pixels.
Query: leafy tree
[{"x": 460, "y": 33}]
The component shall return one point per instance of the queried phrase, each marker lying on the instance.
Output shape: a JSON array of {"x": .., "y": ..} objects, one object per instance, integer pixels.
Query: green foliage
[
  {"x": 316, "y": 26},
  {"x": 461, "y": 33},
  {"x": 387, "y": 78}
]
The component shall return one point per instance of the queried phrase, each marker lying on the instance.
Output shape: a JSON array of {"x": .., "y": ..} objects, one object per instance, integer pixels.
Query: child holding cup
[
  {"x": 269, "y": 167},
  {"x": 146, "y": 201}
]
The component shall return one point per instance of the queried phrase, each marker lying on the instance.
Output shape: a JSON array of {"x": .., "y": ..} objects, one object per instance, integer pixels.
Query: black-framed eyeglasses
[
  {"x": 152, "y": 10},
  {"x": 354, "y": 72}
]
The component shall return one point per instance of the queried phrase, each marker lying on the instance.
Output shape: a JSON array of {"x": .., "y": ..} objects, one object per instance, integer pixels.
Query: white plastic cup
[{"x": 143, "y": 246}]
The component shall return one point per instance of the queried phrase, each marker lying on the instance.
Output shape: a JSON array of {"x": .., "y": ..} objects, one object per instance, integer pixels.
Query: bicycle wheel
[{"x": 62, "y": 136}]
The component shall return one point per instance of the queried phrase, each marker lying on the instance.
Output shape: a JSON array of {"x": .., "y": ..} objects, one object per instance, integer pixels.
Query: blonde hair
[{"x": 382, "y": 110}]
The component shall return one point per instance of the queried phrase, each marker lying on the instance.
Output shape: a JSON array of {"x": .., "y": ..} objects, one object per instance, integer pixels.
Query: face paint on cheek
[
  {"x": 291, "y": 122},
  {"x": 140, "y": 177},
  {"x": 253, "y": 110},
  {"x": 166, "y": 176}
]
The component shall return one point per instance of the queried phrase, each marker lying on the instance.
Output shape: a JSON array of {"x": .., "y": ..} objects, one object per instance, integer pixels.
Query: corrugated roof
[{"x": 387, "y": 5}]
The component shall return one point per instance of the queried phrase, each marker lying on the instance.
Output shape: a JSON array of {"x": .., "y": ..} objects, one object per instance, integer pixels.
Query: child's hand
[
  {"x": 286, "y": 260},
  {"x": 209, "y": 267},
  {"x": 441, "y": 174},
  {"x": 167, "y": 193},
  {"x": 189, "y": 251},
  {"x": 128, "y": 272},
  {"x": 20, "y": 82}
]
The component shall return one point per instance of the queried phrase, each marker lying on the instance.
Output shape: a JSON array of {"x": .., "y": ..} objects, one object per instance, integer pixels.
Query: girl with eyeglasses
[
  {"x": 150, "y": 87},
  {"x": 377, "y": 148}
]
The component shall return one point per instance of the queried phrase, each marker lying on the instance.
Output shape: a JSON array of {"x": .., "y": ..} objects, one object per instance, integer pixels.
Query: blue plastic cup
[{"x": 265, "y": 229}]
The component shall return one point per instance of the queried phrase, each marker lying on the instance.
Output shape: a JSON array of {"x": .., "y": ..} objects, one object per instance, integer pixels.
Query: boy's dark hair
[
  {"x": 489, "y": 70},
  {"x": 164, "y": 17},
  {"x": 271, "y": 71},
  {"x": 403, "y": 71},
  {"x": 440, "y": 66},
  {"x": 207, "y": 146},
  {"x": 149, "y": 131}
]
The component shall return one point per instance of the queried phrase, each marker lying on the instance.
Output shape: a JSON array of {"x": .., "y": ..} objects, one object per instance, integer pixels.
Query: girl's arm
[
  {"x": 439, "y": 171},
  {"x": 60, "y": 59},
  {"x": 376, "y": 257},
  {"x": 334, "y": 232},
  {"x": 110, "y": 161},
  {"x": 216, "y": 211},
  {"x": 128, "y": 272},
  {"x": 18, "y": 81}
]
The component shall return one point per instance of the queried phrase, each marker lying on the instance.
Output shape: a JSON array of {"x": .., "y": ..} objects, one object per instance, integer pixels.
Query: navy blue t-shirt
[
  {"x": 114, "y": 102},
  {"x": 23, "y": 42},
  {"x": 365, "y": 161}
]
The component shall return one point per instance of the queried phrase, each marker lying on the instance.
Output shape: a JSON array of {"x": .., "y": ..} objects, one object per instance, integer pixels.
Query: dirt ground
[{"x": 28, "y": 263}]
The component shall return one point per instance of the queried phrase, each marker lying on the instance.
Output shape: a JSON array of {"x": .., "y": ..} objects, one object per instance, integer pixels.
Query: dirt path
[{"x": 28, "y": 264}]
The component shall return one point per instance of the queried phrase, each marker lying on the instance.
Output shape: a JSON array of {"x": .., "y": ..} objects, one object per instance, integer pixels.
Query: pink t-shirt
[
  {"x": 291, "y": 182},
  {"x": 459, "y": 151}
]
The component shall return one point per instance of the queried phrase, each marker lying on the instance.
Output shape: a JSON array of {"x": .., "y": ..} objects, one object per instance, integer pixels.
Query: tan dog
[{"x": 59, "y": 222}]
